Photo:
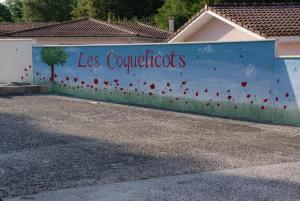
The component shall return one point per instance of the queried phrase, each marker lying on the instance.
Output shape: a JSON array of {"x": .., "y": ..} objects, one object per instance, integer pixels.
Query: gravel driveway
[{"x": 52, "y": 142}]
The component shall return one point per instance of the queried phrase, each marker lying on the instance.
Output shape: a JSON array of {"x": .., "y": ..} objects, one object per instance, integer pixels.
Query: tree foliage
[
  {"x": 48, "y": 10},
  {"x": 5, "y": 15},
  {"x": 53, "y": 56},
  {"x": 181, "y": 10},
  {"x": 16, "y": 9},
  {"x": 101, "y": 9}
]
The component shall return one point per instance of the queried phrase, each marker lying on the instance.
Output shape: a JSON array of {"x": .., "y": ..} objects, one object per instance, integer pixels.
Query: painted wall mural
[{"x": 235, "y": 80}]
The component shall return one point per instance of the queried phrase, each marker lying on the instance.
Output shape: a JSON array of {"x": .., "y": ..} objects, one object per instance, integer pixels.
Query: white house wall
[
  {"x": 217, "y": 30},
  {"x": 15, "y": 61},
  {"x": 288, "y": 48}
]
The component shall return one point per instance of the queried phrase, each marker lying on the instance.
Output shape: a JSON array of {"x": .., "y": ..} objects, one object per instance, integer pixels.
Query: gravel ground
[{"x": 52, "y": 142}]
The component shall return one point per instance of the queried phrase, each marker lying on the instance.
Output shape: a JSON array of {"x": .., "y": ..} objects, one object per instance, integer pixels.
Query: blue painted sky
[{"x": 218, "y": 67}]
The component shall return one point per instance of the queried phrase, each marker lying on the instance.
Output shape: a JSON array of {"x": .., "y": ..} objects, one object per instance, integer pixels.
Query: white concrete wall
[
  {"x": 216, "y": 30},
  {"x": 15, "y": 61}
]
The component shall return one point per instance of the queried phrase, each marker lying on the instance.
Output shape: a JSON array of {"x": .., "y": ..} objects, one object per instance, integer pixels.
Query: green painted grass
[{"x": 242, "y": 111}]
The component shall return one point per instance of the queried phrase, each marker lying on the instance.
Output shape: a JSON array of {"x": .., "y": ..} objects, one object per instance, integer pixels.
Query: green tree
[
  {"x": 53, "y": 56},
  {"x": 181, "y": 10},
  {"x": 121, "y": 9},
  {"x": 5, "y": 15},
  {"x": 16, "y": 9},
  {"x": 48, "y": 10},
  {"x": 84, "y": 8}
]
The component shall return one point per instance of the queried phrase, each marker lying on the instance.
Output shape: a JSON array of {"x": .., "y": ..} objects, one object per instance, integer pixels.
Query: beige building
[
  {"x": 223, "y": 23},
  {"x": 84, "y": 31}
]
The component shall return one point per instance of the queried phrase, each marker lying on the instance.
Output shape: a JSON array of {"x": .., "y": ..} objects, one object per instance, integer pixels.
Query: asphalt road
[
  {"x": 265, "y": 183},
  {"x": 50, "y": 143}
]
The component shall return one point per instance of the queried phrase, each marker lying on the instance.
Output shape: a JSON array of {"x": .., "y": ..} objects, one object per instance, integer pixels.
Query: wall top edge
[{"x": 157, "y": 44}]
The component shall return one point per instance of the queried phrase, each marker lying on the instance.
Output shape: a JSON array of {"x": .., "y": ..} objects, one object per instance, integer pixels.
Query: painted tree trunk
[{"x": 52, "y": 73}]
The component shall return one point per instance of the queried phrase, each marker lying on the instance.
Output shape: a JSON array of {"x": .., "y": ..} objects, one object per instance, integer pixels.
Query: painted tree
[{"x": 53, "y": 56}]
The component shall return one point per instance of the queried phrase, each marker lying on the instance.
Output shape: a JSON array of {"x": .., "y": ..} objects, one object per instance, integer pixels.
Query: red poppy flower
[
  {"x": 249, "y": 96},
  {"x": 262, "y": 107},
  {"x": 244, "y": 84},
  {"x": 266, "y": 100},
  {"x": 206, "y": 90},
  {"x": 55, "y": 75},
  {"x": 229, "y": 97},
  {"x": 29, "y": 66},
  {"x": 92, "y": 86},
  {"x": 37, "y": 74},
  {"x": 87, "y": 85},
  {"x": 168, "y": 84},
  {"x": 163, "y": 92},
  {"x": 22, "y": 78},
  {"x": 152, "y": 86},
  {"x": 170, "y": 90},
  {"x": 25, "y": 69},
  {"x": 183, "y": 83},
  {"x": 217, "y": 94},
  {"x": 150, "y": 93},
  {"x": 197, "y": 94},
  {"x": 277, "y": 99},
  {"x": 135, "y": 89},
  {"x": 228, "y": 91},
  {"x": 184, "y": 93},
  {"x": 285, "y": 107},
  {"x": 116, "y": 81},
  {"x": 145, "y": 83},
  {"x": 62, "y": 81},
  {"x": 75, "y": 79},
  {"x": 287, "y": 95},
  {"x": 96, "y": 81},
  {"x": 130, "y": 84},
  {"x": 67, "y": 78},
  {"x": 177, "y": 99},
  {"x": 82, "y": 82},
  {"x": 44, "y": 78},
  {"x": 106, "y": 82}
]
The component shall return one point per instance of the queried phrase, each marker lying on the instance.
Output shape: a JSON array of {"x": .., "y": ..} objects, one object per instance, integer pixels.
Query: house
[
  {"x": 84, "y": 31},
  {"x": 245, "y": 22}
]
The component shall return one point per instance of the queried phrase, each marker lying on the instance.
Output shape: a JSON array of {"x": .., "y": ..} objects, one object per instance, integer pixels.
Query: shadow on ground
[
  {"x": 33, "y": 160},
  {"x": 50, "y": 143}
]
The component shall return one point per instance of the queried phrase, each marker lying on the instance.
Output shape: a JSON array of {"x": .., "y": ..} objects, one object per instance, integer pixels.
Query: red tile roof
[
  {"x": 92, "y": 28},
  {"x": 267, "y": 20},
  {"x": 11, "y": 27},
  {"x": 270, "y": 19}
]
